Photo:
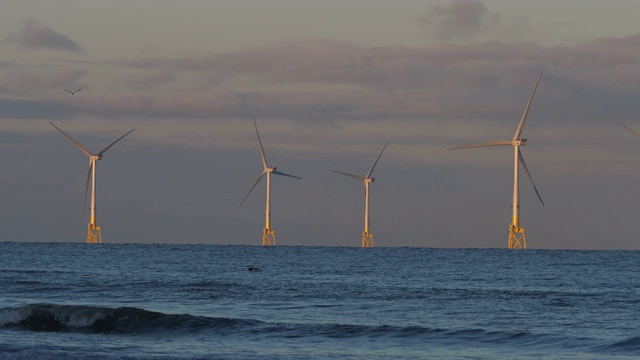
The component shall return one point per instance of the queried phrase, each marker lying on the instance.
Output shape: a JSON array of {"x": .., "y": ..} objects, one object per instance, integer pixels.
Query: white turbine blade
[
  {"x": 113, "y": 143},
  {"x": 374, "y": 164},
  {"x": 250, "y": 190},
  {"x": 489, "y": 143},
  {"x": 86, "y": 187},
  {"x": 264, "y": 157},
  {"x": 275, "y": 172},
  {"x": 631, "y": 131},
  {"x": 524, "y": 166},
  {"x": 526, "y": 110},
  {"x": 358, "y": 177},
  {"x": 77, "y": 144}
]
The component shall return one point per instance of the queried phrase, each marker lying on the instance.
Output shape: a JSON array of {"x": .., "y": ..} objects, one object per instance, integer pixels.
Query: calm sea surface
[{"x": 79, "y": 301}]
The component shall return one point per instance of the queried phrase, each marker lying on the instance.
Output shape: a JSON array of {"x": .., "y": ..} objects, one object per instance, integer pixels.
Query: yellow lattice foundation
[
  {"x": 517, "y": 237},
  {"x": 268, "y": 237},
  {"x": 94, "y": 236},
  {"x": 367, "y": 239}
]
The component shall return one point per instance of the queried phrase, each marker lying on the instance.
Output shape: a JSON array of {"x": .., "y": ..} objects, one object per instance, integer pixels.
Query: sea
[{"x": 159, "y": 301}]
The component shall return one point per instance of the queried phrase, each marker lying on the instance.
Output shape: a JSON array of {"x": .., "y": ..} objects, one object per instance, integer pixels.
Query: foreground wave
[
  {"x": 186, "y": 302},
  {"x": 123, "y": 320},
  {"x": 131, "y": 321}
]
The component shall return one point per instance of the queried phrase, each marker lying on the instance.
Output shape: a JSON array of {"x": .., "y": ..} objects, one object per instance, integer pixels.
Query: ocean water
[{"x": 80, "y": 301}]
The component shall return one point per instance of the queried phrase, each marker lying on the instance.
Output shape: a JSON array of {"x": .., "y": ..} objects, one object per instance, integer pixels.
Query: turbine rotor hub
[{"x": 519, "y": 142}]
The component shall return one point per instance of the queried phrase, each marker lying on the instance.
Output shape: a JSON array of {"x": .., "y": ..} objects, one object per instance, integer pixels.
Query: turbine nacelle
[
  {"x": 519, "y": 142},
  {"x": 369, "y": 180},
  {"x": 270, "y": 169},
  {"x": 96, "y": 157}
]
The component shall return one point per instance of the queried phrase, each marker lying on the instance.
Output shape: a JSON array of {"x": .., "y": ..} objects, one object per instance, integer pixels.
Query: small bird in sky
[{"x": 72, "y": 92}]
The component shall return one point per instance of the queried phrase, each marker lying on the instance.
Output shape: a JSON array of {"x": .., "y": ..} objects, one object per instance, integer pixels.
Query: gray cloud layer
[
  {"x": 341, "y": 80},
  {"x": 471, "y": 20},
  {"x": 328, "y": 104},
  {"x": 34, "y": 35}
]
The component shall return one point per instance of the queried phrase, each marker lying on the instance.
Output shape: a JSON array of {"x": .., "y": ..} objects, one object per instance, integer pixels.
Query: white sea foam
[
  {"x": 9, "y": 316},
  {"x": 79, "y": 318}
]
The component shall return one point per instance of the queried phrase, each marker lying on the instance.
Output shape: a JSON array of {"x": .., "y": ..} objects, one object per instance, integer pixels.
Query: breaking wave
[
  {"x": 46, "y": 317},
  {"x": 130, "y": 320}
]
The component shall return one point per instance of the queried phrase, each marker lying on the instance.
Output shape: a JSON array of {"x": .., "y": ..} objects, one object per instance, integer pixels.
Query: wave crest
[
  {"x": 130, "y": 320},
  {"x": 45, "y": 317}
]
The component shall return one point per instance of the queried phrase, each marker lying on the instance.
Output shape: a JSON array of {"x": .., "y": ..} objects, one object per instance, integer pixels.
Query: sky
[{"x": 329, "y": 83}]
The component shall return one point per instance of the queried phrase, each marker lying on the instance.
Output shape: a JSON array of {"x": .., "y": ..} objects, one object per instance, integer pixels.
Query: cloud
[
  {"x": 465, "y": 20},
  {"x": 327, "y": 105},
  {"x": 38, "y": 81},
  {"x": 34, "y": 35},
  {"x": 327, "y": 80},
  {"x": 5, "y": 64},
  {"x": 463, "y": 92}
]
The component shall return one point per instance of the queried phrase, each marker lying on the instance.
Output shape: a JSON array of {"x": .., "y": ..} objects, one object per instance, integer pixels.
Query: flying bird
[{"x": 72, "y": 92}]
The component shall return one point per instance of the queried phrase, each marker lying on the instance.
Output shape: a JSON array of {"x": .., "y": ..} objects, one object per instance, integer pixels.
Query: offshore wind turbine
[
  {"x": 367, "y": 237},
  {"x": 94, "y": 235},
  {"x": 517, "y": 237},
  {"x": 268, "y": 235}
]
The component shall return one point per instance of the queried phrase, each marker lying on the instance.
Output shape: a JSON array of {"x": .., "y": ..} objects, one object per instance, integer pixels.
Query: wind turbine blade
[
  {"x": 526, "y": 110},
  {"x": 113, "y": 143},
  {"x": 631, "y": 131},
  {"x": 524, "y": 166},
  {"x": 86, "y": 187},
  {"x": 489, "y": 143},
  {"x": 264, "y": 157},
  {"x": 351, "y": 175},
  {"x": 275, "y": 172},
  {"x": 77, "y": 144},
  {"x": 250, "y": 190},
  {"x": 374, "y": 164}
]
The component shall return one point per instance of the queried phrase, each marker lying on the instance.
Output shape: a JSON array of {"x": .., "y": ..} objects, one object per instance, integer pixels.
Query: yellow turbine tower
[
  {"x": 268, "y": 235},
  {"x": 94, "y": 234},
  {"x": 517, "y": 237},
  {"x": 367, "y": 236}
]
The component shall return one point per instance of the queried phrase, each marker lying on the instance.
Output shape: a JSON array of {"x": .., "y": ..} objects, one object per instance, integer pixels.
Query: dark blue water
[{"x": 78, "y": 301}]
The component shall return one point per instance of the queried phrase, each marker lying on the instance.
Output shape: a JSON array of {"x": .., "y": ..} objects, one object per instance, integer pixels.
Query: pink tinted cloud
[
  {"x": 343, "y": 80},
  {"x": 213, "y": 103},
  {"x": 37, "y": 82}
]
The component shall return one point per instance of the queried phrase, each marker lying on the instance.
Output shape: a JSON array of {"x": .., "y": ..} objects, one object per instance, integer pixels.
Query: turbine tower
[
  {"x": 268, "y": 235},
  {"x": 94, "y": 234},
  {"x": 517, "y": 237},
  {"x": 367, "y": 237}
]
